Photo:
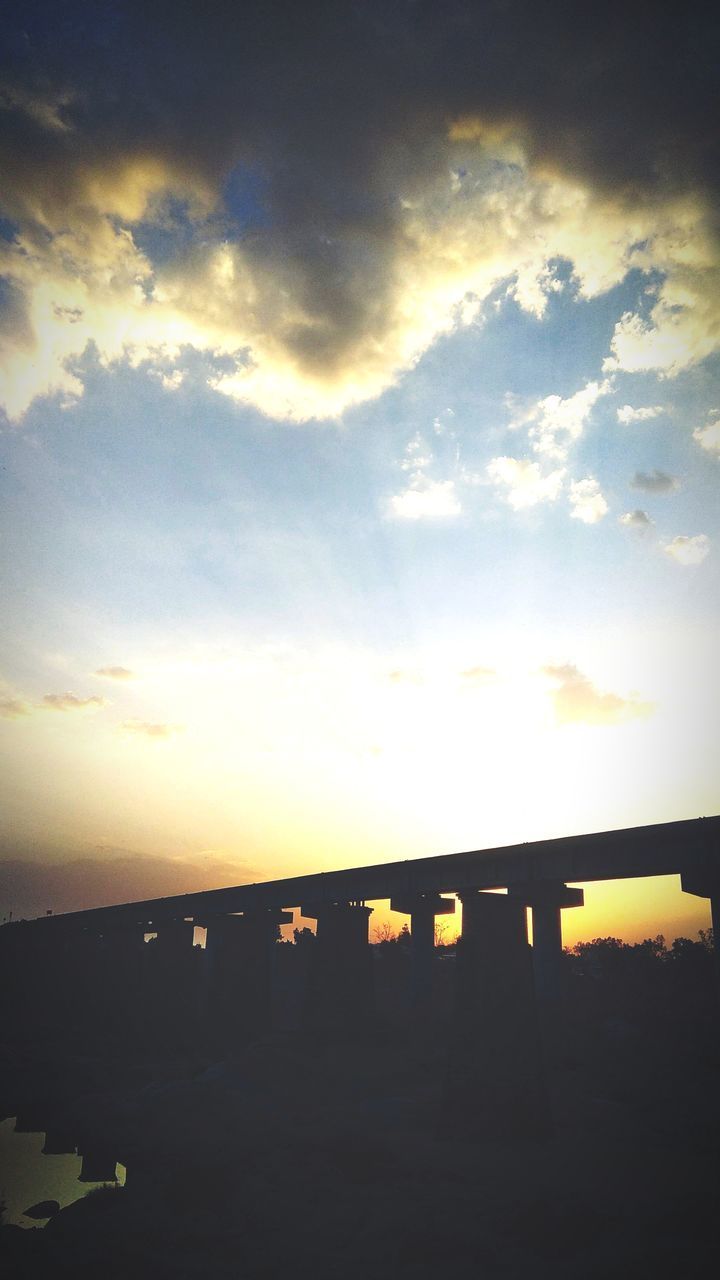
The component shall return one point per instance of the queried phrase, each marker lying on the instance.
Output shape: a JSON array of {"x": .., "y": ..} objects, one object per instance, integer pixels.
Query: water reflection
[{"x": 44, "y": 1166}]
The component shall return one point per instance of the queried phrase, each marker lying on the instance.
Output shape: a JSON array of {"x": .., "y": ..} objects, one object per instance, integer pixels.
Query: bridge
[{"x": 93, "y": 973}]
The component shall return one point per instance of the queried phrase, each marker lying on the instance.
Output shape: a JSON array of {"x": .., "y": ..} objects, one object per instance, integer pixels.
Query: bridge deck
[{"x": 661, "y": 849}]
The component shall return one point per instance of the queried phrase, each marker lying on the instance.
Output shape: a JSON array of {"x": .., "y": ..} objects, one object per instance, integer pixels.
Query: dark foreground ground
[{"x": 292, "y": 1158}]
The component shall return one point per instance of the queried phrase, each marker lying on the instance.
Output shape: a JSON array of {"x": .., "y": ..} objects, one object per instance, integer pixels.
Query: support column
[
  {"x": 548, "y": 899},
  {"x": 172, "y": 985},
  {"x": 59, "y": 1142},
  {"x": 340, "y": 995},
  {"x": 239, "y": 955},
  {"x": 422, "y": 909},
  {"x": 496, "y": 1078},
  {"x": 704, "y": 882}
]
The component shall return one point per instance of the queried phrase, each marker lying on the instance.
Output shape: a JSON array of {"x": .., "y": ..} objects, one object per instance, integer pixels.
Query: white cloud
[
  {"x": 577, "y": 700},
  {"x": 115, "y": 673},
  {"x": 524, "y": 481},
  {"x": 708, "y": 437},
  {"x": 683, "y": 325},
  {"x": 555, "y": 424},
  {"x": 686, "y": 550},
  {"x": 637, "y": 519},
  {"x": 586, "y": 501},
  {"x": 427, "y": 500},
  {"x": 628, "y": 414}
]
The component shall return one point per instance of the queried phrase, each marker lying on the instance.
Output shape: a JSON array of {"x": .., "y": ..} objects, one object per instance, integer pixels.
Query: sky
[{"x": 360, "y": 440}]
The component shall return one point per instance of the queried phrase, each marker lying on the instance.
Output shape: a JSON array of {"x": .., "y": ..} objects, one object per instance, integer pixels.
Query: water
[{"x": 27, "y": 1176}]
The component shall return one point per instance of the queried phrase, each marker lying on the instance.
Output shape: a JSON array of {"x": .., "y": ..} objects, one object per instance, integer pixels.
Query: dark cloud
[
  {"x": 654, "y": 481},
  {"x": 30, "y": 887},
  {"x": 637, "y": 519},
  {"x": 297, "y": 127}
]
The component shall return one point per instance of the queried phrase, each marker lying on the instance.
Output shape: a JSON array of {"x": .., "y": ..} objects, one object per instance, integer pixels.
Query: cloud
[
  {"x": 318, "y": 231},
  {"x": 405, "y": 677},
  {"x": 31, "y": 886},
  {"x": 115, "y": 673},
  {"x": 150, "y": 729},
  {"x": 576, "y": 700},
  {"x": 71, "y": 702},
  {"x": 586, "y": 501},
  {"x": 655, "y": 482},
  {"x": 13, "y": 708},
  {"x": 478, "y": 675},
  {"x": 427, "y": 499},
  {"x": 524, "y": 481},
  {"x": 708, "y": 437},
  {"x": 627, "y": 414},
  {"x": 688, "y": 550},
  {"x": 637, "y": 519},
  {"x": 555, "y": 424}
]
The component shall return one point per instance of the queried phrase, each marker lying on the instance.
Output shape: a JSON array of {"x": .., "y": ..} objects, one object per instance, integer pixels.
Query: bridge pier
[
  {"x": 422, "y": 909},
  {"x": 496, "y": 1077},
  {"x": 239, "y": 955},
  {"x": 547, "y": 900},
  {"x": 703, "y": 880},
  {"x": 172, "y": 984},
  {"x": 340, "y": 996}
]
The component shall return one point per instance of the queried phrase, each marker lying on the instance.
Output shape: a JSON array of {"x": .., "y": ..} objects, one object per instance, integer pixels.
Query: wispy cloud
[
  {"x": 577, "y": 700},
  {"x": 687, "y": 550},
  {"x": 655, "y": 481},
  {"x": 71, "y": 702},
  {"x": 151, "y": 729},
  {"x": 478, "y": 675},
  {"x": 115, "y": 673},
  {"x": 13, "y": 708},
  {"x": 627, "y": 414}
]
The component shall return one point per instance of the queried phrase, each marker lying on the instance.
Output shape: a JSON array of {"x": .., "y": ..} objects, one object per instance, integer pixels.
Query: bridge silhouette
[{"x": 92, "y": 977}]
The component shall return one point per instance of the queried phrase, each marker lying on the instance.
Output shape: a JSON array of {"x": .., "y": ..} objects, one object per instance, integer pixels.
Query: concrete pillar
[
  {"x": 340, "y": 995},
  {"x": 548, "y": 899},
  {"x": 422, "y": 909},
  {"x": 239, "y": 955},
  {"x": 703, "y": 880},
  {"x": 170, "y": 997},
  {"x": 59, "y": 1142},
  {"x": 496, "y": 1078},
  {"x": 174, "y": 939}
]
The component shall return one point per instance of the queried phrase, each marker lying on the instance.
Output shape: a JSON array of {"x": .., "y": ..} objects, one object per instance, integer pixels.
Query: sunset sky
[{"x": 360, "y": 442}]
